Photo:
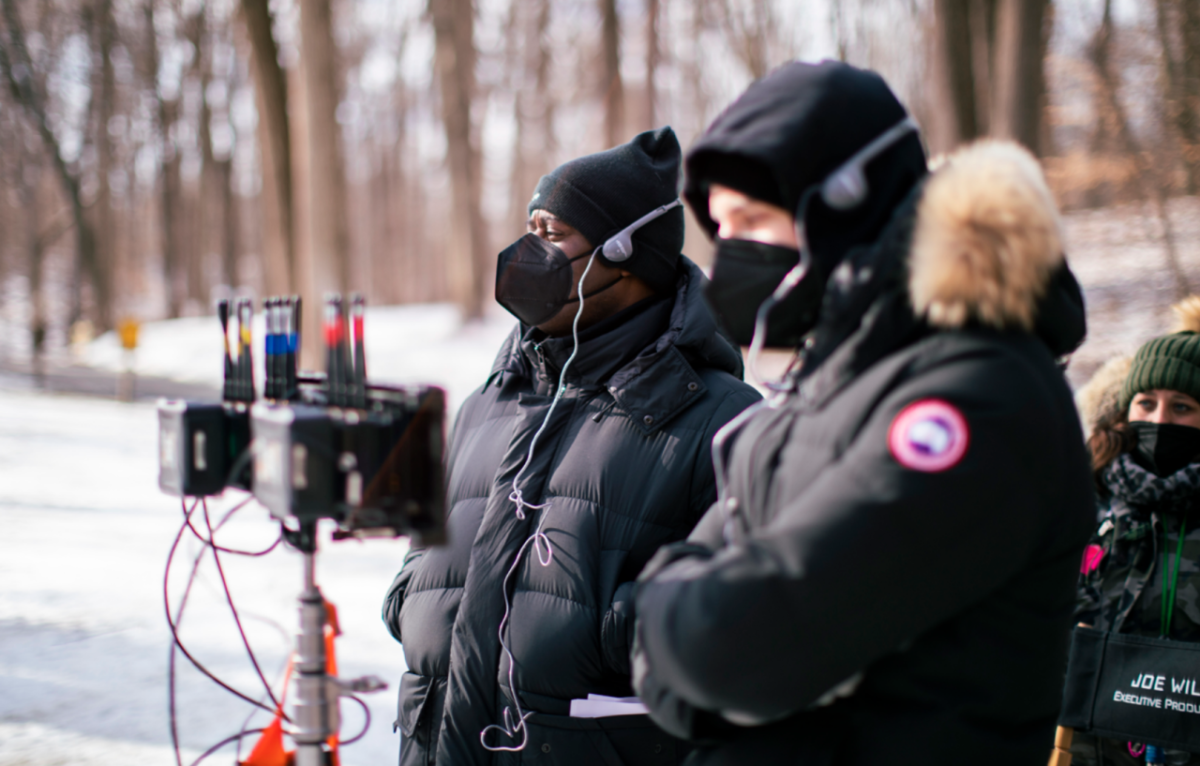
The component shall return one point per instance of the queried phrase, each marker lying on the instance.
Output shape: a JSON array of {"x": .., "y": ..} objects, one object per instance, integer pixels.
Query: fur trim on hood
[
  {"x": 988, "y": 239},
  {"x": 1100, "y": 397}
]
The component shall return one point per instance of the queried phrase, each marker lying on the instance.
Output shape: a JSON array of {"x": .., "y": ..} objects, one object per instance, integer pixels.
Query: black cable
[
  {"x": 233, "y": 609},
  {"x": 171, "y": 623},
  {"x": 187, "y": 513},
  {"x": 234, "y": 551},
  {"x": 366, "y": 723},
  {"x": 235, "y": 738}
]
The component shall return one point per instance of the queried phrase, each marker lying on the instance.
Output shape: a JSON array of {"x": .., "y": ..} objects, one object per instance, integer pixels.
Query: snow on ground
[{"x": 83, "y": 639}]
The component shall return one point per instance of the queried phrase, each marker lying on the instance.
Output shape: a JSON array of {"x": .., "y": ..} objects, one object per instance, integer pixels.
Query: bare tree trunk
[
  {"x": 1190, "y": 75},
  {"x": 327, "y": 233},
  {"x": 837, "y": 24},
  {"x": 204, "y": 229},
  {"x": 169, "y": 183},
  {"x": 520, "y": 43},
  {"x": 229, "y": 224},
  {"x": 105, "y": 224},
  {"x": 534, "y": 106},
  {"x": 542, "y": 89},
  {"x": 382, "y": 240},
  {"x": 695, "y": 69},
  {"x": 310, "y": 350},
  {"x": 653, "y": 54},
  {"x": 1180, "y": 113},
  {"x": 750, "y": 25},
  {"x": 18, "y": 73},
  {"x": 400, "y": 245},
  {"x": 954, "y": 67},
  {"x": 230, "y": 237},
  {"x": 1018, "y": 76},
  {"x": 982, "y": 19},
  {"x": 28, "y": 185},
  {"x": 275, "y": 146},
  {"x": 1149, "y": 183},
  {"x": 453, "y": 26},
  {"x": 614, "y": 90}
]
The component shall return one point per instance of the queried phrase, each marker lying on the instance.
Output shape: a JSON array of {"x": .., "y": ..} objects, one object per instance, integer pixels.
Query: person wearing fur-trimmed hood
[
  {"x": 1140, "y": 575},
  {"x": 888, "y": 574}
]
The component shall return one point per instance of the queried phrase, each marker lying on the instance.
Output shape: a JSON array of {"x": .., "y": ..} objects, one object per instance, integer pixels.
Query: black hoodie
[
  {"x": 888, "y": 576},
  {"x": 789, "y": 132}
]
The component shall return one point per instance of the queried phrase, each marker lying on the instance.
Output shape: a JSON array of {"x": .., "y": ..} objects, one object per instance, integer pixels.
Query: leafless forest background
[{"x": 157, "y": 154}]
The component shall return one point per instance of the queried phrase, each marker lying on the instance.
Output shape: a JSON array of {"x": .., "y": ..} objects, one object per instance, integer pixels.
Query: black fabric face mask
[
  {"x": 1165, "y": 448},
  {"x": 745, "y": 273},
  {"x": 533, "y": 279}
]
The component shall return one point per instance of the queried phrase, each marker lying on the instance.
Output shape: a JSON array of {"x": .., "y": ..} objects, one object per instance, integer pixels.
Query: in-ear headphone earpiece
[
  {"x": 619, "y": 247},
  {"x": 846, "y": 187}
]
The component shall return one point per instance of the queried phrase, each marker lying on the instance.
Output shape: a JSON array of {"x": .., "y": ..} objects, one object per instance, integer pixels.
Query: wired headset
[
  {"x": 844, "y": 189},
  {"x": 617, "y": 248}
]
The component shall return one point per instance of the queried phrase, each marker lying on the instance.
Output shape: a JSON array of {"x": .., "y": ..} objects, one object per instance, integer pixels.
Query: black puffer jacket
[
  {"x": 625, "y": 467},
  {"x": 905, "y": 528}
]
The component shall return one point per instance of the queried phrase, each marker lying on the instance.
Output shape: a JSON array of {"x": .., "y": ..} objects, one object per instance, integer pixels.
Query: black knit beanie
[
  {"x": 602, "y": 193},
  {"x": 1171, "y": 362}
]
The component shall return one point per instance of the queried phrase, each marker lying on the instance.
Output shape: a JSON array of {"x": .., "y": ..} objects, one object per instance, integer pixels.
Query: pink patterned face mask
[{"x": 1092, "y": 556}]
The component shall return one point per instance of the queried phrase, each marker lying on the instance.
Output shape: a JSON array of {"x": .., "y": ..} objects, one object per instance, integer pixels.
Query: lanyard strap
[{"x": 1168, "y": 602}]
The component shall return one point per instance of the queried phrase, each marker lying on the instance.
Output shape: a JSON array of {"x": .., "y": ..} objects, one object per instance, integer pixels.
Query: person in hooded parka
[
  {"x": 888, "y": 574},
  {"x": 1140, "y": 574},
  {"x": 587, "y": 448}
]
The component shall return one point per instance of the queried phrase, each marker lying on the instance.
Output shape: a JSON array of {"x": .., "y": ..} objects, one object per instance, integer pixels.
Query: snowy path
[{"x": 83, "y": 640}]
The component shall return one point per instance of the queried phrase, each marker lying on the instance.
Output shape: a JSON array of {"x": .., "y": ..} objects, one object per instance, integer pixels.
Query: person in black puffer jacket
[
  {"x": 620, "y": 467},
  {"x": 888, "y": 574}
]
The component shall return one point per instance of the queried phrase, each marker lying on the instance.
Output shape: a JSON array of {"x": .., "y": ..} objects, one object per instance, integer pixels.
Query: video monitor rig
[{"x": 318, "y": 445}]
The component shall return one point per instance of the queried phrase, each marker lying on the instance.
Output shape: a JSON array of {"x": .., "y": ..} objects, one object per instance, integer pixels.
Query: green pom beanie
[{"x": 1171, "y": 362}]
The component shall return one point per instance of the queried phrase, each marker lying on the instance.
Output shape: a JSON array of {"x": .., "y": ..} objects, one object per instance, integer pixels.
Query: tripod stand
[{"x": 315, "y": 715}]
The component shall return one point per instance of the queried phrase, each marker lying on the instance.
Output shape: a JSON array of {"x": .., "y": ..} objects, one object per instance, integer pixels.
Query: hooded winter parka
[
  {"x": 623, "y": 467},
  {"x": 888, "y": 577}
]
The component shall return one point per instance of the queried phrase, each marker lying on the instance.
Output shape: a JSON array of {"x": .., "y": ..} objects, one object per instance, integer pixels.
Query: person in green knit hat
[{"x": 1141, "y": 573}]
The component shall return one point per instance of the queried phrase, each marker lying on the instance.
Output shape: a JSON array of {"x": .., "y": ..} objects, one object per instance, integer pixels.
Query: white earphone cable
[{"x": 514, "y": 726}]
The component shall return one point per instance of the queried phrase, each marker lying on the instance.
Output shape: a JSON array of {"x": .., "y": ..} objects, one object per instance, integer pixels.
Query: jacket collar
[
  {"x": 661, "y": 379},
  {"x": 604, "y": 348}
]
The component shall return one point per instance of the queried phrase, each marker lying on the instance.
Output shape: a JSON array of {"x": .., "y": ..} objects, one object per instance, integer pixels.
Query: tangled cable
[{"x": 175, "y": 616}]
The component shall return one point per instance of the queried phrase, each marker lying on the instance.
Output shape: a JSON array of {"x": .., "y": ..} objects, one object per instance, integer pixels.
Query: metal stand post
[{"x": 315, "y": 714}]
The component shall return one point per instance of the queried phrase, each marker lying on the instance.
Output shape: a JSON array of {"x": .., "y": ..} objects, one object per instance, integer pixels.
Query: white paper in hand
[{"x": 600, "y": 706}]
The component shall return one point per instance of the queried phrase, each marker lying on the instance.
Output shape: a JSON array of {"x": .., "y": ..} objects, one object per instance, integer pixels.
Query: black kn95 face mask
[
  {"x": 745, "y": 273},
  {"x": 534, "y": 279}
]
